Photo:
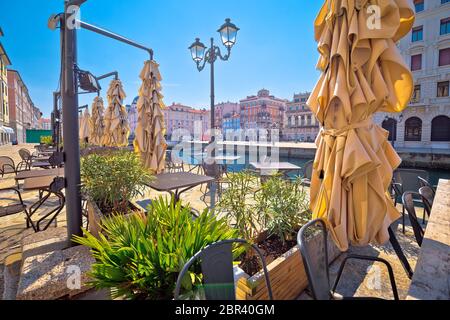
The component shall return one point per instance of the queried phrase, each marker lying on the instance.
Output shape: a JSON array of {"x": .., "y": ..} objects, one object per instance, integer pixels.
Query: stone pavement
[
  {"x": 13, "y": 227},
  {"x": 357, "y": 280}
]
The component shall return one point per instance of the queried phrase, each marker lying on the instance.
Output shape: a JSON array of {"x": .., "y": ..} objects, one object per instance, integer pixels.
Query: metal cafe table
[
  {"x": 42, "y": 164},
  {"x": 39, "y": 173},
  {"x": 178, "y": 182},
  {"x": 267, "y": 168},
  {"x": 225, "y": 160},
  {"x": 45, "y": 153}
]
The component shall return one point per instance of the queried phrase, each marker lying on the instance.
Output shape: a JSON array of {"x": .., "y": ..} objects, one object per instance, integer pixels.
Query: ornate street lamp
[
  {"x": 197, "y": 51},
  {"x": 228, "y": 32},
  {"x": 202, "y": 55}
]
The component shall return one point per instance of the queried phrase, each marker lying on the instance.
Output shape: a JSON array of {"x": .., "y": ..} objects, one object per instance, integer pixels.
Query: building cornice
[{"x": 4, "y": 54}]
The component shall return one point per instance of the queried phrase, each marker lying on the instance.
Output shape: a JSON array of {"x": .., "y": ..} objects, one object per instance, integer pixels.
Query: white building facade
[
  {"x": 425, "y": 124},
  {"x": 300, "y": 122}
]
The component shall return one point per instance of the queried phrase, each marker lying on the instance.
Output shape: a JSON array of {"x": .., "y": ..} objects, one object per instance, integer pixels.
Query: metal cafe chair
[
  {"x": 7, "y": 166},
  {"x": 172, "y": 166},
  {"x": 425, "y": 183},
  {"x": 307, "y": 173},
  {"x": 216, "y": 263},
  {"x": 14, "y": 207},
  {"x": 405, "y": 180},
  {"x": 408, "y": 202},
  {"x": 55, "y": 188},
  {"x": 317, "y": 267},
  {"x": 27, "y": 159},
  {"x": 216, "y": 171},
  {"x": 427, "y": 194}
]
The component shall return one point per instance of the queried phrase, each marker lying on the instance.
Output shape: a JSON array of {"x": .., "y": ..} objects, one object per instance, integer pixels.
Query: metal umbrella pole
[{"x": 69, "y": 95}]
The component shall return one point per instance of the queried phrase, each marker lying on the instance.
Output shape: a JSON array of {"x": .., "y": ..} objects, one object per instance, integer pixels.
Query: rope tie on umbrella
[
  {"x": 344, "y": 131},
  {"x": 335, "y": 133}
]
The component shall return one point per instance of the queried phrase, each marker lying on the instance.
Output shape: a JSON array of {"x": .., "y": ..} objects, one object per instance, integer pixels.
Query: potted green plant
[
  {"x": 140, "y": 256},
  {"x": 237, "y": 204},
  {"x": 46, "y": 140},
  {"x": 110, "y": 182},
  {"x": 270, "y": 215}
]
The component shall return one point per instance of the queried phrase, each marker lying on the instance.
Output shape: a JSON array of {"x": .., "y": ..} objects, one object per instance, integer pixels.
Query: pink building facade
[
  {"x": 21, "y": 106},
  {"x": 45, "y": 124},
  {"x": 263, "y": 111},
  {"x": 183, "y": 121}
]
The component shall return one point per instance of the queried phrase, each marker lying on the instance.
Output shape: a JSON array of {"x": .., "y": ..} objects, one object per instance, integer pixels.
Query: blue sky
[{"x": 275, "y": 48}]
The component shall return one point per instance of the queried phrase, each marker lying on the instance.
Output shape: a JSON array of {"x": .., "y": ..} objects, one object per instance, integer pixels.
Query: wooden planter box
[
  {"x": 287, "y": 276},
  {"x": 95, "y": 217}
]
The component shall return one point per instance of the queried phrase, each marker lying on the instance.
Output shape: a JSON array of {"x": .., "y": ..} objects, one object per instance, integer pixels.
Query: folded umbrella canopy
[
  {"x": 84, "y": 125},
  {"x": 362, "y": 73},
  {"x": 97, "y": 124},
  {"x": 150, "y": 129},
  {"x": 116, "y": 123}
]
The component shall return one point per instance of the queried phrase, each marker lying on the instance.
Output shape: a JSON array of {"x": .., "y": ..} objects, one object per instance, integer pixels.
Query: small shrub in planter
[
  {"x": 47, "y": 140},
  {"x": 277, "y": 208},
  {"x": 268, "y": 214},
  {"x": 284, "y": 206},
  {"x": 238, "y": 205},
  {"x": 140, "y": 256},
  {"x": 111, "y": 181}
]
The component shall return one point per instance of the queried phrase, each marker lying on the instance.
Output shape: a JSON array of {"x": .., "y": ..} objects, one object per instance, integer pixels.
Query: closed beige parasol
[
  {"x": 117, "y": 129},
  {"x": 149, "y": 141},
  {"x": 362, "y": 73},
  {"x": 97, "y": 124},
  {"x": 84, "y": 125}
]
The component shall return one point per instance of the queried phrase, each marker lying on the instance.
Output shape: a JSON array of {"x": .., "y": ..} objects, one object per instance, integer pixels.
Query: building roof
[
  {"x": 264, "y": 93},
  {"x": 18, "y": 76},
  {"x": 184, "y": 108},
  {"x": 20, "y": 80},
  {"x": 3, "y": 54}
]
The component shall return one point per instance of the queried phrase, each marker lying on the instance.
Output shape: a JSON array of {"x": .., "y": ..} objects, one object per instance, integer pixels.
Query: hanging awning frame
[{"x": 69, "y": 95}]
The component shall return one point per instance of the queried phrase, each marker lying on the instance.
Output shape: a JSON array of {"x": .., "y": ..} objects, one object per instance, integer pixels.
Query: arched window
[
  {"x": 391, "y": 126},
  {"x": 440, "y": 129},
  {"x": 413, "y": 129}
]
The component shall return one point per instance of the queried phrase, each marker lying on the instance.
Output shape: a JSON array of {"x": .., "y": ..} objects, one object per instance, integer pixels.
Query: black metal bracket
[
  {"x": 114, "y": 36},
  {"x": 57, "y": 159},
  {"x": 87, "y": 81},
  {"x": 58, "y": 184}
]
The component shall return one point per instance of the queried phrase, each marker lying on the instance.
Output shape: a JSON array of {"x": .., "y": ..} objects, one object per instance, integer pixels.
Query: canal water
[{"x": 237, "y": 166}]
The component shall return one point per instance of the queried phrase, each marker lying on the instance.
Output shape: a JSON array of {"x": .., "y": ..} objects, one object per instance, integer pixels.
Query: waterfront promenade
[{"x": 12, "y": 230}]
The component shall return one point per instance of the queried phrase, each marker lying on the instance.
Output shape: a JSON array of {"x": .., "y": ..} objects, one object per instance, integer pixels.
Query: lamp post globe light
[{"x": 202, "y": 55}]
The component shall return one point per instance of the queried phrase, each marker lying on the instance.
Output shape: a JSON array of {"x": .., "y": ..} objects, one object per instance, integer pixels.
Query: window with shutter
[
  {"x": 416, "y": 62},
  {"x": 444, "y": 57}
]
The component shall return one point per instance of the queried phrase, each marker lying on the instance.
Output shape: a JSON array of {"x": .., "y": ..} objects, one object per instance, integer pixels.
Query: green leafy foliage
[
  {"x": 113, "y": 180},
  {"x": 278, "y": 205},
  {"x": 47, "y": 140},
  {"x": 237, "y": 204},
  {"x": 140, "y": 256},
  {"x": 284, "y": 205}
]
